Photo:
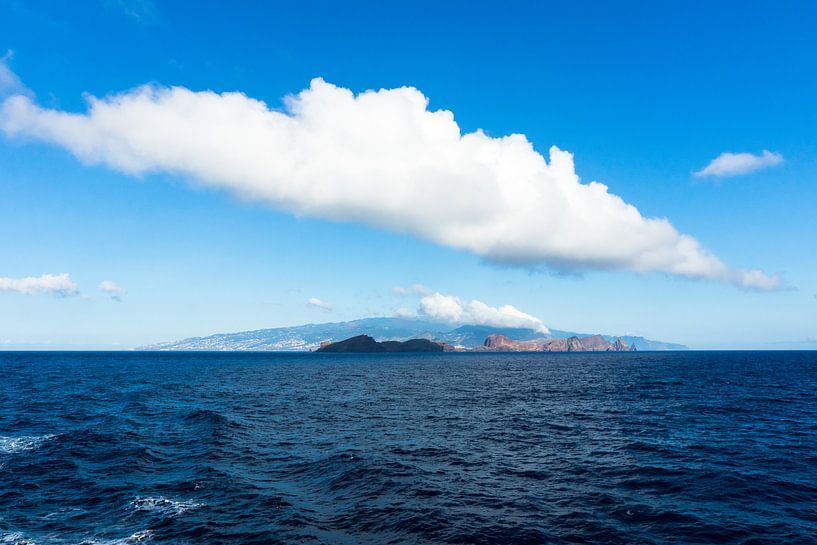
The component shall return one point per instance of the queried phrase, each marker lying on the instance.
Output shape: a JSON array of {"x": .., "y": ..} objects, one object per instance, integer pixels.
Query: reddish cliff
[{"x": 593, "y": 343}]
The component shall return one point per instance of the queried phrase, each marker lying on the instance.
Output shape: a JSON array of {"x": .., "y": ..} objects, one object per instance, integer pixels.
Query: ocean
[{"x": 246, "y": 448}]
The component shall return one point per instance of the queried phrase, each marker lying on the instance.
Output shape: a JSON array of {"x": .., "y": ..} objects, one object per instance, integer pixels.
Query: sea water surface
[{"x": 686, "y": 447}]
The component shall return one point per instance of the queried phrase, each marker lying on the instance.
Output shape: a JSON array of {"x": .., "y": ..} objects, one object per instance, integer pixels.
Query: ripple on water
[
  {"x": 239, "y": 449},
  {"x": 15, "y": 538}
]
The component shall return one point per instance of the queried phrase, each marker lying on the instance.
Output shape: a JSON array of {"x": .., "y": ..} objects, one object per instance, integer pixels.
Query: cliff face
[
  {"x": 569, "y": 344},
  {"x": 596, "y": 343},
  {"x": 593, "y": 343},
  {"x": 501, "y": 343}
]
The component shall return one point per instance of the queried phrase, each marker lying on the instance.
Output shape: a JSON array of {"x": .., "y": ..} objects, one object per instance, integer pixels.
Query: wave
[
  {"x": 142, "y": 536},
  {"x": 163, "y": 505},
  {"x": 13, "y": 445},
  {"x": 15, "y": 538},
  {"x": 18, "y": 538},
  {"x": 250, "y": 455}
]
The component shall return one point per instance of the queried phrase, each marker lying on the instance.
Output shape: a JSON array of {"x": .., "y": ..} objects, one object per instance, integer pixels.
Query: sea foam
[
  {"x": 142, "y": 536},
  {"x": 163, "y": 505},
  {"x": 15, "y": 538},
  {"x": 18, "y": 538},
  {"x": 13, "y": 445}
]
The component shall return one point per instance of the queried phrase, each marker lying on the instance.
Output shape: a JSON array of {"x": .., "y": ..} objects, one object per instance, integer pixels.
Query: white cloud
[
  {"x": 448, "y": 308},
  {"x": 315, "y": 302},
  {"x": 733, "y": 164},
  {"x": 112, "y": 289},
  {"x": 60, "y": 285},
  {"x": 758, "y": 280},
  {"x": 379, "y": 158}
]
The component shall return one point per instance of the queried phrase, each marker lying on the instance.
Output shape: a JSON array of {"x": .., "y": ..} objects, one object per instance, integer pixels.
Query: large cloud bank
[
  {"x": 380, "y": 158},
  {"x": 60, "y": 285}
]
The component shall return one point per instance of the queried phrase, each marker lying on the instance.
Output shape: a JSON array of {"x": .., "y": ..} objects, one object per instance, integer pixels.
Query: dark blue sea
[{"x": 685, "y": 447}]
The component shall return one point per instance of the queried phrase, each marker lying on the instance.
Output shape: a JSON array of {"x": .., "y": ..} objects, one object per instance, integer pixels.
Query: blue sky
[{"x": 642, "y": 94}]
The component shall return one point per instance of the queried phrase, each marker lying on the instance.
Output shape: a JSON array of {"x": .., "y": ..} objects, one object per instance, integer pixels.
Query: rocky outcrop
[
  {"x": 501, "y": 343},
  {"x": 596, "y": 343},
  {"x": 593, "y": 343}
]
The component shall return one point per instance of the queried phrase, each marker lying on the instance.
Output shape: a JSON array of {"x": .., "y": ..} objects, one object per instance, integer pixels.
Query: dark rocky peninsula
[{"x": 365, "y": 343}]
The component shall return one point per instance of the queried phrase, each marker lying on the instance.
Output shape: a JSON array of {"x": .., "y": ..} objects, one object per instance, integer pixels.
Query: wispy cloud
[
  {"x": 9, "y": 82},
  {"x": 414, "y": 289},
  {"x": 60, "y": 285},
  {"x": 734, "y": 164},
  {"x": 449, "y": 308},
  {"x": 315, "y": 302},
  {"x": 381, "y": 158},
  {"x": 138, "y": 10},
  {"x": 112, "y": 289}
]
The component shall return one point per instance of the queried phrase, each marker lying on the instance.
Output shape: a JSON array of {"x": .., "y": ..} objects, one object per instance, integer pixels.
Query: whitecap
[
  {"x": 62, "y": 513},
  {"x": 138, "y": 537},
  {"x": 142, "y": 536},
  {"x": 15, "y": 538},
  {"x": 163, "y": 505},
  {"x": 13, "y": 445}
]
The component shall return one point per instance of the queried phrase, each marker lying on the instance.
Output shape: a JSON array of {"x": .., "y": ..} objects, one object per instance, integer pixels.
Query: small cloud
[
  {"x": 60, "y": 285},
  {"x": 112, "y": 289},
  {"x": 315, "y": 302},
  {"x": 756, "y": 280},
  {"x": 404, "y": 313},
  {"x": 734, "y": 164},
  {"x": 449, "y": 308}
]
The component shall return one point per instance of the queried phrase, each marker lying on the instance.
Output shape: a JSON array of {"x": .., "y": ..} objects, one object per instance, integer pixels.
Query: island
[
  {"x": 462, "y": 337},
  {"x": 365, "y": 343}
]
